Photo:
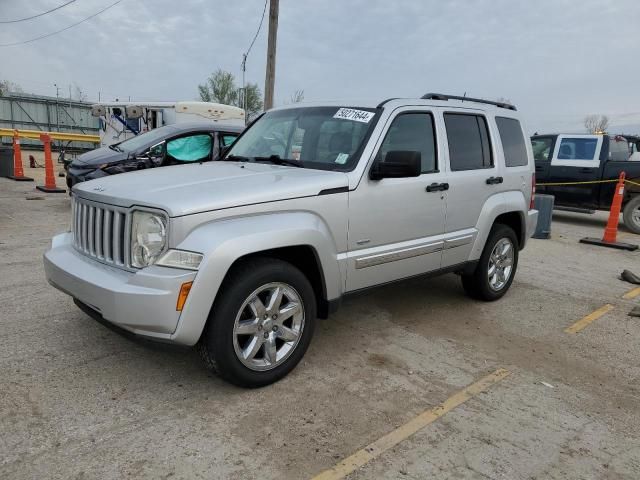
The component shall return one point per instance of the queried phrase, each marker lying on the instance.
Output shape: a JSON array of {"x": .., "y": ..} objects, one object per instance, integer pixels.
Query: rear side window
[
  {"x": 577, "y": 149},
  {"x": 469, "y": 145},
  {"x": 515, "y": 151},
  {"x": 412, "y": 132},
  {"x": 228, "y": 138}
]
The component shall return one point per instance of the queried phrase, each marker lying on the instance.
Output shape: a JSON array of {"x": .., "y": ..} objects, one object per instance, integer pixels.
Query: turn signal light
[{"x": 182, "y": 296}]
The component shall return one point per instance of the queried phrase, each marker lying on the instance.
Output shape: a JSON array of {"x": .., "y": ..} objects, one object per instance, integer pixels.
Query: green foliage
[
  {"x": 7, "y": 86},
  {"x": 221, "y": 87}
]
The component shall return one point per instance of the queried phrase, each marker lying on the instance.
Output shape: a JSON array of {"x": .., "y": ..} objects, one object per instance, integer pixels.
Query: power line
[
  {"x": 258, "y": 31},
  {"x": 62, "y": 30},
  {"x": 39, "y": 15}
]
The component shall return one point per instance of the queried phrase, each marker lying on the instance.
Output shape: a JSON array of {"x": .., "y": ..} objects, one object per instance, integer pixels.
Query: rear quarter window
[{"x": 512, "y": 138}]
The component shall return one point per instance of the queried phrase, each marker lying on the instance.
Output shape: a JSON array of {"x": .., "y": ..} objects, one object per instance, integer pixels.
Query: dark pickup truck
[{"x": 566, "y": 158}]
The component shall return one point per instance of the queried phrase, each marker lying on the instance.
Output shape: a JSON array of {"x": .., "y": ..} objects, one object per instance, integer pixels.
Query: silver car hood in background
[{"x": 186, "y": 189}]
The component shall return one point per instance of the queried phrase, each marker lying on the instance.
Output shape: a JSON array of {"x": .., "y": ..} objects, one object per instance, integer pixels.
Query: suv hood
[
  {"x": 98, "y": 157},
  {"x": 187, "y": 189}
]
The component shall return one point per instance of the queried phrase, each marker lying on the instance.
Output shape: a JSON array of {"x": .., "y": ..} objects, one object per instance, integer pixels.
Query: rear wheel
[
  {"x": 631, "y": 214},
  {"x": 261, "y": 323},
  {"x": 497, "y": 266}
]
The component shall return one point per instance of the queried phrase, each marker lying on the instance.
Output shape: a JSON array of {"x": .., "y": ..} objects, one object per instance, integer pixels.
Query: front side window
[
  {"x": 515, "y": 151},
  {"x": 468, "y": 138},
  {"x": 190, "y": 149},
  {"x": 541, "y": 148},
  {"x": 412, "y": 132},
  {"x": 327, "y": 138}
]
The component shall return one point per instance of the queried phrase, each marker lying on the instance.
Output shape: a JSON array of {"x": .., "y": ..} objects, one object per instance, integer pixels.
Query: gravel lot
[{"x": 78, "y": 400}]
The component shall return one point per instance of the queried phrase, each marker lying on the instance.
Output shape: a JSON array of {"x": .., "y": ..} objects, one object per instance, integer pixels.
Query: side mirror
[{"x": 397, "y": 164}]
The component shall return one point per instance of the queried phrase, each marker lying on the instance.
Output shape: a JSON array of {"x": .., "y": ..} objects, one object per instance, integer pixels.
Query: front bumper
[{"x": 142, "y": 302}]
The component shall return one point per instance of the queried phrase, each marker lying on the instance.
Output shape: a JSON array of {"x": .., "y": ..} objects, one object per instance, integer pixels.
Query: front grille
[{"x": 101, "y": 231}]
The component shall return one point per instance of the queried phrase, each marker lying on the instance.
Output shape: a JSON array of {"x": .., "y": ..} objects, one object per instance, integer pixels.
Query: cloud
[{"x": 558, "y": 60}]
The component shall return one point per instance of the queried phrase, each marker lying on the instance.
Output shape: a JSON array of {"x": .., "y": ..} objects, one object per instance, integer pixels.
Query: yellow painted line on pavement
[
  {"x": 633, "y": 293},
  {"x": 393, "y": 438},
  {"x": 586, "y": 321}
]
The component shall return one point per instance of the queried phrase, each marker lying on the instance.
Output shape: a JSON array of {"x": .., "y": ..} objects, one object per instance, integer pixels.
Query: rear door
[
  {"x": 473, "y": 177},
  {"x": 225, "y": 139},
  {"x": 576, "y": 158}
]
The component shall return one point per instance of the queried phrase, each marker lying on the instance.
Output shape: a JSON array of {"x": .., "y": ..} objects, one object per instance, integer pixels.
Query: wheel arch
[{"x": 301, "y": 238}]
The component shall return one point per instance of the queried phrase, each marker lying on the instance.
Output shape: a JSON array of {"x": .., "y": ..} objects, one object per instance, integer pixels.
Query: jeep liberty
[{"x": 311, "y": 203}]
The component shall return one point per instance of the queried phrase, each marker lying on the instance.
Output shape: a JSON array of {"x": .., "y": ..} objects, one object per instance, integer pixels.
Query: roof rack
[{"x": 441, "y": 96}]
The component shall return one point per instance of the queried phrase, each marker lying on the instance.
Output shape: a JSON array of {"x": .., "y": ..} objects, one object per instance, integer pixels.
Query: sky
[{"x": 556, "y": 60}]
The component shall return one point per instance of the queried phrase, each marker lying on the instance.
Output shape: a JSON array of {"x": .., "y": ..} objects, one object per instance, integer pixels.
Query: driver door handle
[
  {"x": 494, "y": 180},
  {"x": 438, "y": 187}
]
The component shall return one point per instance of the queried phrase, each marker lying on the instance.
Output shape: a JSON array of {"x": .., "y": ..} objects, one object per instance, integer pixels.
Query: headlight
[
  {"x": 180, "y": 259},
  {"x": 148, "y": 238}
]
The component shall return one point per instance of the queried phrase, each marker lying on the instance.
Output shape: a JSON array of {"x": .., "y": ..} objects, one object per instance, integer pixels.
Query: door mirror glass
[{"x": 398, "y": 164}]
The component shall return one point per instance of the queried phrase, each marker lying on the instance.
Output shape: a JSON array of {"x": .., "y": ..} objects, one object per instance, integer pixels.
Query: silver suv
[{"x": 311, "y": 203}]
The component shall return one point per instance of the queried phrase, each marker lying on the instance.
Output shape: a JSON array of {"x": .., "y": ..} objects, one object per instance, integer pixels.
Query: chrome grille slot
[{"x": 100, "y": 231}]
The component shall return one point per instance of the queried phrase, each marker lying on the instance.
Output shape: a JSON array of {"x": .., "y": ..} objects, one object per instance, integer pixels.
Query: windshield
[
  {"x": 145, "y": 139},
  {"x": 328, "y": 138}
]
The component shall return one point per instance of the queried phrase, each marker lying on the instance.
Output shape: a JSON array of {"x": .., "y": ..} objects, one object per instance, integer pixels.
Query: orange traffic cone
[
  {"x": 18, "y": 171},
  {"x": 611, "y": 230},
  {"x": 49, "y": 176}
]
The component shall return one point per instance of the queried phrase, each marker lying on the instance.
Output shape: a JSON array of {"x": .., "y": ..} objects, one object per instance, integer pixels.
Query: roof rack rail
[{"x": 441, "y": 96}]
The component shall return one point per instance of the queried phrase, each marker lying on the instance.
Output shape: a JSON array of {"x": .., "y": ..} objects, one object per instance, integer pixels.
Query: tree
[
  {"x": 78, "y": 93},
  {"x": 298, "y": 96},
  {"x": 596, "y": 123},
  {"x": 7, "y": 86},
  {"x": 221, "y": 87}
]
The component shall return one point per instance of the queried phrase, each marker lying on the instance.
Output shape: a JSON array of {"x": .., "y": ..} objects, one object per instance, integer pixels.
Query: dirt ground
[{"x": 78, "y": 400}]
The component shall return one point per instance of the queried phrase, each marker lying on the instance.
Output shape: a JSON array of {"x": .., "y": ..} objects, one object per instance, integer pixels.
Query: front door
[{"x": 396, "y": 224}]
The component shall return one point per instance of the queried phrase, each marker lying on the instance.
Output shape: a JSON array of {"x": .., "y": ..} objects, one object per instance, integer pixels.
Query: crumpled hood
[
  {"x": 98, "y": 157},
  {"x": 186, "y": 189}
]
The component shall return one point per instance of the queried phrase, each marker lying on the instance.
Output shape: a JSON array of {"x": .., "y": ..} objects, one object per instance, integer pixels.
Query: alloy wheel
[
  {"x": 500, "y": 264},
  {"x": 268, "y": 326}
]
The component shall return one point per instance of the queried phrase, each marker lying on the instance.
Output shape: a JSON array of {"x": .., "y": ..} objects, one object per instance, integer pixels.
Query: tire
[
  {"x": 631, "y": 214},
  {"x": 242, "y": 325},
  {"x": 478, "y": 285}
]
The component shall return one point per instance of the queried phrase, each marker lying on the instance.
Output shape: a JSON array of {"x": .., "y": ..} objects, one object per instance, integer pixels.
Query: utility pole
[
  {"x": 57, "y": 106},
  {"x": 270, "y": 78}
]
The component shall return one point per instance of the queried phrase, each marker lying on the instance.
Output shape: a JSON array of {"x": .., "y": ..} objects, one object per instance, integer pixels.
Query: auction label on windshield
[{"x": 356, "y": 115}]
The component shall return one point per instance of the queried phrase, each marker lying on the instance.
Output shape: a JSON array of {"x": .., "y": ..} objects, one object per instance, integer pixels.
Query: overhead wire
[
  {"x": 257, "y": 31},
  {"x": 38, "y": 15},
  {"x": 61, "y": 30}
]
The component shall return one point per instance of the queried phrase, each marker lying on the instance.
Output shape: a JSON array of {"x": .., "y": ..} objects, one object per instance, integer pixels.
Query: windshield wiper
[
  {"x": 236, "y": 158},
  {"x": 280, "y": 161},
  {"x": 115, "y": 148}
]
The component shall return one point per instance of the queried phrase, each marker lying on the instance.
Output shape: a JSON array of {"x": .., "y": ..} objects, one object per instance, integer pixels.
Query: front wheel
[
  {"x": 631, "y": 214},
  {"x": 261, "y": 323},
  {"x": 497, "y": 266}
]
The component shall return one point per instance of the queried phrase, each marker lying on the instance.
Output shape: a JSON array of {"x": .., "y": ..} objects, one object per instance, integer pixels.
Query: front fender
[{"x": 225, "y": 241}]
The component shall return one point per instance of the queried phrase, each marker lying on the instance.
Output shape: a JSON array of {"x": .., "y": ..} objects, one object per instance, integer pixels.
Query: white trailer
[{"x": 122, "y": 120}]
